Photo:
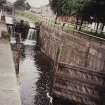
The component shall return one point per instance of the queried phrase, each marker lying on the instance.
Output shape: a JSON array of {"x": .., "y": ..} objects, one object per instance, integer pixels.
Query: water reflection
[
  {"x": 43, "y": 84},
  {"x": 34, "y": 77}
]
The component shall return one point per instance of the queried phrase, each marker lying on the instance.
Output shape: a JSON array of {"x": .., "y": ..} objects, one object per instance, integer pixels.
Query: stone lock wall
[{"x": 79, "y": 74}]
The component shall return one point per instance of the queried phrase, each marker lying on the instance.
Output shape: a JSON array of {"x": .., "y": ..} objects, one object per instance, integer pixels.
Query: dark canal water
[
  {"x": 34, "y": 77},
  {"x": 35, "y": 74}
]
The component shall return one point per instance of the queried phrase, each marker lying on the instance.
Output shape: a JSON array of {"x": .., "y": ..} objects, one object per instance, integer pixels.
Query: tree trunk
[
  {"x": 97, "y": 27},
  {"x": 76, "y": 23},
  {"x": 63, "y": 25},
  {"x": 102, "y": 28},
  {"x": 56, "y": 19},
  {"x": 81, "y": 24}
]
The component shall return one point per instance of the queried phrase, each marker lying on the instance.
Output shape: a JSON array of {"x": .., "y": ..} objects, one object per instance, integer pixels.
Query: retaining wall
[{"x": 79, "y": 65}]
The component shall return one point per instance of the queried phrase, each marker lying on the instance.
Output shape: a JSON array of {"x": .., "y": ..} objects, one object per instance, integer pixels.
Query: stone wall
[
  {"x": 75, "y": 48},
  {"x": 79, "y": 64}
]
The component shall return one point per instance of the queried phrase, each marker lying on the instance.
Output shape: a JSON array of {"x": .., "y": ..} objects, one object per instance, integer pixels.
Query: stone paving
[{"x": 9, "y": 89}]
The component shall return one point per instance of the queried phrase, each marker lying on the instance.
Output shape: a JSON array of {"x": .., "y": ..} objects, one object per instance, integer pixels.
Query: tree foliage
[
  {"x": 95, "y": 8},
  {"x": 2, "y": 2},
  {"x": 20, "y": 3},
  {"x": 67, "y": 7},
  {"x": 27, "y": 6},
  {"x": 82, "y": 9},
  {"x": 92, "y": 8},
  {"x": 61, "y": 7}
]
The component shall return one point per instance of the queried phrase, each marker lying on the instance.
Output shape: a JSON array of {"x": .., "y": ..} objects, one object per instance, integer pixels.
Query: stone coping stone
[{"x": 9, "y": 87}]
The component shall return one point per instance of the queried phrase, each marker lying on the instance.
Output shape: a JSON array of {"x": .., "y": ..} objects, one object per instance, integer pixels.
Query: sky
[{"x": 35, "y": 3}]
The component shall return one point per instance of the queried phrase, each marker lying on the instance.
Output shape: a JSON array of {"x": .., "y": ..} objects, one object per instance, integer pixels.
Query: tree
[
  {"x": 83, "y": 10},
  {"x": 67, "y": 7},
  {"x": 27, "y": 6},
  {"x": 94, "y": 8},
  {"x": 61, "y": 7},
  {"x": 2, "y": 2},
  {"x": 20, "y": 4}
]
